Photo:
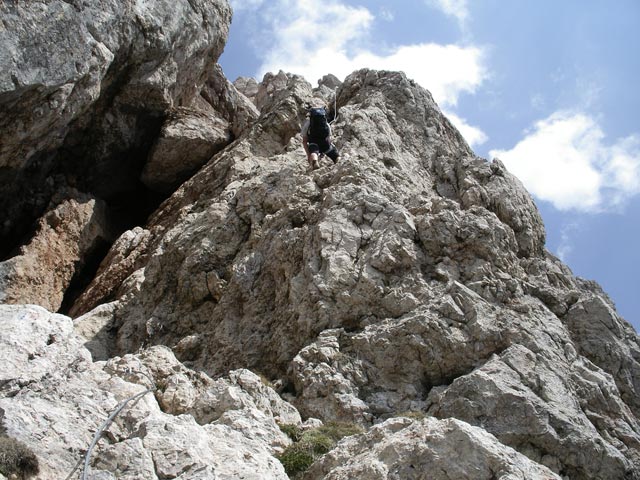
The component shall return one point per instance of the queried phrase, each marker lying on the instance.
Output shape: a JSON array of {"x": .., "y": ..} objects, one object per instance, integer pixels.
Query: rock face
[
  {"x": 408, "y": 280},
  {"x": 444, "y": 448},
  {"x": 84, "y": 87},
  {"x": 247, "y": 86},
  {"x": 154, "y": 55},
  {"x": 411, "y": 276},
  {"x": 55, "y": 398},
  {"x": 66, "y": 236},
  {"x": 187, "y": 141},
  {"x": 223, "y": 97}
]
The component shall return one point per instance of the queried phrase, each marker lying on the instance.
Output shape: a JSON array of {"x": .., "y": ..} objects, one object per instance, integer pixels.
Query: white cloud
[
  {"x": 386, "y": 14},
  {"x": 566, "y": 244},
  {"x": 564, "y": 160},
  {"x": 453, "y": 8},
  {"x": 299, "y": 30},
  {"x": 445, "y": 70},
  {"x": 314, "y": 42},
  {"x": 473, "y": 135}
]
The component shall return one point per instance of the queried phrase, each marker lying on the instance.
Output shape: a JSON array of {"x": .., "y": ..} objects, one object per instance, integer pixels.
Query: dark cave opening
[
  {"x": 92, "y": 164},
  {"x": 83, "y": 275},
  {"x": 128, "y": 210}
]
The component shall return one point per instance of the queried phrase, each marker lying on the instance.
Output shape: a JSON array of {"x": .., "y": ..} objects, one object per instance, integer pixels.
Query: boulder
[
  {"x": 417, "y": 449},
  {"x": 55, "y": 399},
  {"x": 187, "y": 141},
  {"x": 557, "y": 408}
]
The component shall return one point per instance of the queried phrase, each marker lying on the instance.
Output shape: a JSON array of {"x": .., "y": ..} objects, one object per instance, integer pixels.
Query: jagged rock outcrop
[
  {"x": 395, "y": 281},
  {"x": 248, "y": 86},
  {"x": 127, "y": 255},
  {"x": 55, "y": 398},
  {"x": 562, "y": 412},
  {"x": 187, "y": 141},
  {"x": 191, "y": 136},
  {"x": 408, "y": 280},
  {"x": 156, "y": 54},
  {"x": 271, "y": 84},
  {"x": 223, "y": 97},
  {"x": 440, "y": 449},
  {"x": 84, "y": 87}
]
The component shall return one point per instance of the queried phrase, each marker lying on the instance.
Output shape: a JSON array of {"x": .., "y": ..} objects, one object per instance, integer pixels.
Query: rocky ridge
[{"x": 405, "y": 289}]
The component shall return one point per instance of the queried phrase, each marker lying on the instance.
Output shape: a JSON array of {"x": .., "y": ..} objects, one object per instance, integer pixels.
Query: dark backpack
[{"x": 319, "y": 129}]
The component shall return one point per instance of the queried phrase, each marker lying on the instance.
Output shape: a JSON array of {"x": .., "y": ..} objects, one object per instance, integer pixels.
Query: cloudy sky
[{"x": 549, "y": 87}]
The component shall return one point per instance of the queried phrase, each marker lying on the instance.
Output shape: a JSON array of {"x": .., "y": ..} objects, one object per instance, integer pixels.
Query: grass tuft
[
  {"x": 17, "y": 459},
  {"x": 310, "y": 445}
]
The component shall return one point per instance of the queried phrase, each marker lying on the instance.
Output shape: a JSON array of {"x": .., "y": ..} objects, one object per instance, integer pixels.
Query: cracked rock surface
[
  {"x": 410, "y": 277},
  {"x": 55, "y": 398},
  {"x": 406, "y": 289}
]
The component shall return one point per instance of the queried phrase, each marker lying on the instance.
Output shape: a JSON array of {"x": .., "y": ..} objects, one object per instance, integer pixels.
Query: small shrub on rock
[
  {"x": 17, "y": 459},
  {"x": 310, "y": 445},
  {"x": 297, "y": 458},
  {"x": 293, "y": 431}
]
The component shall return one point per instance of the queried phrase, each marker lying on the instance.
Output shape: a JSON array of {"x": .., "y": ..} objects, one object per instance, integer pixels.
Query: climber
[{"x": 316, "y": 138}]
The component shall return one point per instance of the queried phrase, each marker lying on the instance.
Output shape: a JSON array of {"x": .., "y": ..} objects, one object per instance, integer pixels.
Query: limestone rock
[
  {"x": 233, "y": 105},
  {"x": 96, "y": 79},
  {"x": 169, "y": 48},
  {"x": 330, "y": 81},
  {"x": 248, "y": 86},
  {"x": 327, "y": 91},
  {"x": 609, "y": 342},
  {"x": 54, "y": 398},
  {"x": 66, "y": 236},
  {"x": 242, "y": 401},
  {"x": 562, "y": 412},
  {"x": 311, "y": 253},
  {"x": 126, "y": 256},
  {"x": 96, "y": 327},
  {"x": 429, "y": 448},
  {"x": 187, "y": 141},
  {"x": 410, "y": 278},
  {"x": 33, "y": 344},
  {"x": 472, "y": 181},
  {"x": 270, "y": 84}
]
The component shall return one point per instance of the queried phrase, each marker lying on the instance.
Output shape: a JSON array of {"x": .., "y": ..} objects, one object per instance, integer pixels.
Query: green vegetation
[
  {"x": 293, "y": 431},
  {"x": 309, "y": 445},
  {"x": 17, "y": 459}
]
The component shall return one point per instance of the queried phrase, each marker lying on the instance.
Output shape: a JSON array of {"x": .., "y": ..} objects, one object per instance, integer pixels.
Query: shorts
[{"x": 331, "y": 151}]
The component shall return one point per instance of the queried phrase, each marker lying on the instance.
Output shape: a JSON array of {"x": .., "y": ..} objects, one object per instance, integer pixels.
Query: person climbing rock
[{"x": 316, "y": 138}]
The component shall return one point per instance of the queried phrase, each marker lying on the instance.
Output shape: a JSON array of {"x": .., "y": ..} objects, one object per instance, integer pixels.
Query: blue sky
[{"x": 549, "y": 87}]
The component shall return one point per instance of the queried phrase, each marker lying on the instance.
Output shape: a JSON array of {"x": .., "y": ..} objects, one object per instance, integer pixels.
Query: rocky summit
[{"x": 183, "y": 298}]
